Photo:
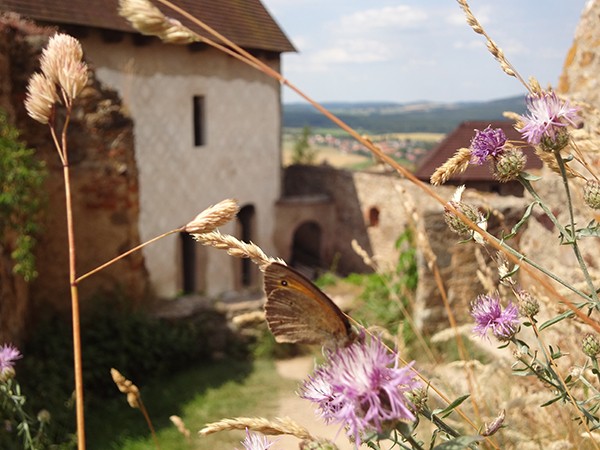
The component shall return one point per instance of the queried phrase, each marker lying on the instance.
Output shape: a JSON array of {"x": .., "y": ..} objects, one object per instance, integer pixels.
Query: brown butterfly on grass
[{"x": 298, "y": 312}]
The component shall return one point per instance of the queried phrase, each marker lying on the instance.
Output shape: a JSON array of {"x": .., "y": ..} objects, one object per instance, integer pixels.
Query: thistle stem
[{"x": 573, "y": 237}]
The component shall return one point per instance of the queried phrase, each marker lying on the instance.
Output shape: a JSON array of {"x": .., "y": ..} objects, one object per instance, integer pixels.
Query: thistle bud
[
  {"x": 455, "y": 223},
  {"x": 528, "y": 304},
  {"x": 591, "y": 194},
  {"x": 509, "y": 165},
  {"x": 555, "y": 143},
  {"x": 418, "y": 398},
  {"x": 590, "y": 345},
  {"x": 320, "y": 444},
  {"x": 44, "y": 416}
]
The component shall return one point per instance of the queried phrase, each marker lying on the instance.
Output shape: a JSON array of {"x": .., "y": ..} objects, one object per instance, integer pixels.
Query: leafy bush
[
  {"x": 386, "y": 295},
  {"x": 138, "y": 345},
  {"x": 21, "y": 179}
]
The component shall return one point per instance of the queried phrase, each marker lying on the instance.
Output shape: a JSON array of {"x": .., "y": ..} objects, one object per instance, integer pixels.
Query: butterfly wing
[{"x": 297, "y": 311}]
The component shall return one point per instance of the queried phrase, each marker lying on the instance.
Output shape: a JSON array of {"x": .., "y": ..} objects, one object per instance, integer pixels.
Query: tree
[{"x": 303, "y": 152}]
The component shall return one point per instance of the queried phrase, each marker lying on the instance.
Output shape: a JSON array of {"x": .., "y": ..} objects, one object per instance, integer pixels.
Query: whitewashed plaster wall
[{"x": 240, "y": 158}]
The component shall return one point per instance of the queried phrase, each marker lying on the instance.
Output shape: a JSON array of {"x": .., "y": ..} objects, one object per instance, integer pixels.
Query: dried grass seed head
[
  {"x": 61, "y": 47},
  {"x": 180, "y": 425},
  {"x": 213, "y": 217},
  {"x": 277, "y": 426},
  {"x": 41, "y": 98},
  {"x": 237, "y": 248},
  {"x": 61, "y": 62},
  {"x": 457, "y": 164},
  {"x": 126, "y": 387},
  {"x": 149, "y": 20}
]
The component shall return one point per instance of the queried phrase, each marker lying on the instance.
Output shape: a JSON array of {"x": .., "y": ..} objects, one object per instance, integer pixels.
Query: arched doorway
[
  {"x": 306, "y": 248},
  {"x": 246, "y": 275}
]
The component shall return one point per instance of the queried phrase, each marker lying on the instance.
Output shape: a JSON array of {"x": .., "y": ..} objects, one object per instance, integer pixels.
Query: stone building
[{"x": 206, "y": 128}]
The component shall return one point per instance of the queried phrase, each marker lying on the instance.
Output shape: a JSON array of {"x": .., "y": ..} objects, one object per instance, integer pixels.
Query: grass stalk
[{"x": 75, "y": 315}]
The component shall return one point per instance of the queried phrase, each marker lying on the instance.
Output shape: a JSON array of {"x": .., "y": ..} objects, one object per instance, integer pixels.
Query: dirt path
[{"x": 302, "y": 411}]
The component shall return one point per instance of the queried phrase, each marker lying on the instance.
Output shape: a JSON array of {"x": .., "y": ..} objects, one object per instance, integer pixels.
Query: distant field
[
  {"x": 336, "y": 158},
  {"x": 329, "y": 155},
  {"x": 422, "y": 137}
]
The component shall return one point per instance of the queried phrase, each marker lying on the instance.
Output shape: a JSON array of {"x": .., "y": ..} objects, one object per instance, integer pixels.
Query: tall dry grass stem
[{"x": 63, "y": 77}]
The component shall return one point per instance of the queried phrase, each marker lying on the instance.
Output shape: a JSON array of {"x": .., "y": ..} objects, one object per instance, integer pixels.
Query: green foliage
[
  {"x": 265, "y": 347},
  {"x": 326, "y": 279},
  {"x": 139, "y": 346},
  {"x": 385, "y": 295},
  {"x": 198, "y": 394},
  {"x": 21, "y": 179},
  {"x": 303, "y": 152}
]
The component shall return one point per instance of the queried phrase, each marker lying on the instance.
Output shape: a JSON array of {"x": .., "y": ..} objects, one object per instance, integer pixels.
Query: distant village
[{"x": 401, "y": 148}]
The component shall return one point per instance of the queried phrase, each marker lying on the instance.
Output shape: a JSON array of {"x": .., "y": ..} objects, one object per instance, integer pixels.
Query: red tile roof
[
  {"x": 245, "y": 22},
  {"x": 461, "y": 137}
]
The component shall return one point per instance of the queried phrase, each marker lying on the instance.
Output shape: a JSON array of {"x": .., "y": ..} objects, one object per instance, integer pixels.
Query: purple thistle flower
[
  {"x": 486, "y": 143},
  {"x": 255, "y": 441},
  {"x": 361, "y": 387},
  {"x": 8, "y": 355},
  {"x": 488, "y": 314},
  {"x": 548, "y": 116}
]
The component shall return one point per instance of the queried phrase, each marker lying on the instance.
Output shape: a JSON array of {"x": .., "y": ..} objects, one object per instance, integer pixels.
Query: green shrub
[
  {"x": 21, "y": 178},
  {"x": 140, "y": 346},
  {"x": 385, "y": 295}
]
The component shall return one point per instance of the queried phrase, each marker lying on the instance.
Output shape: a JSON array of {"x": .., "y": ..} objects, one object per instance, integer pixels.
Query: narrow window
[
  {"x": 188, "y": 256},
  {"x": 373, "y": 219},
  {"x": 199, "y": 132},
  {"x": 245, "y": 220}
]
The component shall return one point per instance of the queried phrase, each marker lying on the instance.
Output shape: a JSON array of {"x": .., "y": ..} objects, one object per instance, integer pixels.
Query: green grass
[{"x": 199, "y": 395}]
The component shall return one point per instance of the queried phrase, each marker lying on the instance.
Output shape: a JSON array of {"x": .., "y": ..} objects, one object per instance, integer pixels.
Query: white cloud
[
  {"x": 358, "y": 51},
  {"x": 401, "y": 16},
  {"x": 362, "y": 37},
  {"x": 471, "y": 44},
  {"x": 457, "y": 16}
]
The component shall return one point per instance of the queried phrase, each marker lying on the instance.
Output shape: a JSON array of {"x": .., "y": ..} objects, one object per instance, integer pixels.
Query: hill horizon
[{"x": 394, "y": 117}]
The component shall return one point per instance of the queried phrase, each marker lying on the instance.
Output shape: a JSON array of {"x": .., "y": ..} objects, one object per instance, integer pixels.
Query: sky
[{"x": 420, "y": 50}]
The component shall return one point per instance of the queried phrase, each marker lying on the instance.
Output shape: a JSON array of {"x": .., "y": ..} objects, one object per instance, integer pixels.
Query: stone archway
[{"x": 306, "y": 247}]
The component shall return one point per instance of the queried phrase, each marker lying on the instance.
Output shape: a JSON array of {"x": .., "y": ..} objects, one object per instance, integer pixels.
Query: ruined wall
[
  {"x": 104, "y": 184},
  {"x": 355, "y": 194}
]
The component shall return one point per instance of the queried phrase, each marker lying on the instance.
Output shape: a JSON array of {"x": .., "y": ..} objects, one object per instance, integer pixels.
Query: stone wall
[{"x": 104, "y": 185}]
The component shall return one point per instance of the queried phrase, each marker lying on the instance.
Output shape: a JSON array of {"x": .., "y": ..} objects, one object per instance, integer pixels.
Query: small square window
[{"x": 199, "y": 129}]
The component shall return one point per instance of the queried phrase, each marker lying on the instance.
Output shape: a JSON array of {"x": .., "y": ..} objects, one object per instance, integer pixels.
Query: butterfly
[{"x": 299, "y": 312}]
